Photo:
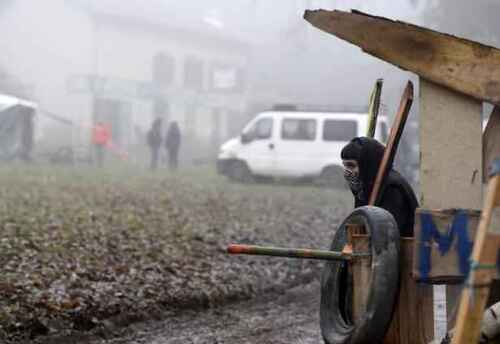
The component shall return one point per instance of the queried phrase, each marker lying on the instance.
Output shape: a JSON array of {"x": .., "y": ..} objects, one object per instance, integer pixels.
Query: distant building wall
[
  {"x": 128, "y": 51},
  {"x": 194, "y": 64},
  {"x": 88, "y": 66}
]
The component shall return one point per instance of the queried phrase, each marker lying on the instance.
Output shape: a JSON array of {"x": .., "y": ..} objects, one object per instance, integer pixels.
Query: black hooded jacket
[{"x": 396, "y": 195}]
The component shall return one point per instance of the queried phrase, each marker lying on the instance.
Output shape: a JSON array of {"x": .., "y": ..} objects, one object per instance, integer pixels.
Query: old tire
[
  {"x": 335, "y": 320},
  {"x": 239, "y": 172}
]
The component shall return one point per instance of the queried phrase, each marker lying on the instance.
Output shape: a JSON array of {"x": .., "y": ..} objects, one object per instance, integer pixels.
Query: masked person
[{"x": 361, "y": 158}]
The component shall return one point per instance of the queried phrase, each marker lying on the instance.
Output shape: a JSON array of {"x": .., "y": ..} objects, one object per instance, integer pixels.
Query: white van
[{"x": 301, "y": 145}]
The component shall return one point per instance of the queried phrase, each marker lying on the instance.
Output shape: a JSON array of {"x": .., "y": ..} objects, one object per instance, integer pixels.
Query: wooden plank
[
  {"x": 459, "y": 64},
  {"x": 362, "y": 272},
  {"x": 413, "y": 319},
  {"x": 475, "y": 294},
  {"x": 393, "y": 142},
  {"x": 450, "y": 149}
]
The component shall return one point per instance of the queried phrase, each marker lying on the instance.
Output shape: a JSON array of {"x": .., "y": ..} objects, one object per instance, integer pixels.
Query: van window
[
  {"x": 264, "y": 128},
  {"x": 260, "y": 130},
  {"x": 339, "y": 130},
  {"x": 298, "y": 129}
]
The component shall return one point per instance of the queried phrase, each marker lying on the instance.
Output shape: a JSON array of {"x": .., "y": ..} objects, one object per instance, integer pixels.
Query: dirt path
[{"x": 288, "y": 318}]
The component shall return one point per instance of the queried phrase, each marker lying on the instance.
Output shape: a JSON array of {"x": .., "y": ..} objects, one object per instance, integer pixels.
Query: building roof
[{"x": 199, "y": 18}]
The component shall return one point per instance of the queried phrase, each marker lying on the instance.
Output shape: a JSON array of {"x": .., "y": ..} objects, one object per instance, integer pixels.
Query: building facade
[{"x": 89, "y": 63}]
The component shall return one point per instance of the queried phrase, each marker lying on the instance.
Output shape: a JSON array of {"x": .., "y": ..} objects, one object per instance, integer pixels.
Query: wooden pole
[{"x": 483, "y": 269}]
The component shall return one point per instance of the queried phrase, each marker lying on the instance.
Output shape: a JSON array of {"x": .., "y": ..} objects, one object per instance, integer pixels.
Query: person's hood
[{"x": 368, "y": 153}]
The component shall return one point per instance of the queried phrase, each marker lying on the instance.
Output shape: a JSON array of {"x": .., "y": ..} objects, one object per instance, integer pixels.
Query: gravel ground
[{"x": 87, "y": 251}]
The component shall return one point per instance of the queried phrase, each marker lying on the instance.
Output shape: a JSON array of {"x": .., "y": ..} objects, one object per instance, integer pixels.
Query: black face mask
[{"x": 354, "y": 183}]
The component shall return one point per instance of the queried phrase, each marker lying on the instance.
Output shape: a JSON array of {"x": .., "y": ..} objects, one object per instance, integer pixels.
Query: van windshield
[
  {"x": 339, "y": 130},
  {"x": 259, "y": 130}
]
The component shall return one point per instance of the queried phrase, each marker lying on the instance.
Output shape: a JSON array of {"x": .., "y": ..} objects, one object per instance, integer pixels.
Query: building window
[
  {"x": 193, "y": 73},
  {"x": 163, "y": 69},
  {"x": 160, "y": 108},
  {"x": 339, "y": 130},
  {"x": 226, "y": 78},
  {"x": 298, "y": 129}
]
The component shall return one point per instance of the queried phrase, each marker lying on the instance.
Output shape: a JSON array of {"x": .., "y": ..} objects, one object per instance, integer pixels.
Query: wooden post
[
  {"x": 450, "y": 155},
  {"x": 361, "y": 274},
  {"x": 450, "y": 148}
]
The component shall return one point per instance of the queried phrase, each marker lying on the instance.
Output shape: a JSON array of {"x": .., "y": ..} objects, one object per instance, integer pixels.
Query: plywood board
[
  {"x": 459, "y": 64},
  {"x": 450, "y": 149},
  {"x": 443, "y": 244}
]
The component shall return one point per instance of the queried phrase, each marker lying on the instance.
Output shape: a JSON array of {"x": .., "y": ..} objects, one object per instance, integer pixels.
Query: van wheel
[
  {"x": 332, "y": 176},
  {"x": 239, "y": 172}
]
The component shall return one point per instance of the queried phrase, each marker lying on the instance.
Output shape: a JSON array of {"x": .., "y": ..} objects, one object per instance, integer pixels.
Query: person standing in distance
[
  {"x": 154, "y": 142},
  {"x": 172, "y": 144},
  {"x": 101, "y": 137}
]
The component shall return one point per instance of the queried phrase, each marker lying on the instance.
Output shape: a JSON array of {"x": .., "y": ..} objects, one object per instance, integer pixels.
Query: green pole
[
  {"x": 373, "y": 108},
  {"x": 293, "y": 252}
]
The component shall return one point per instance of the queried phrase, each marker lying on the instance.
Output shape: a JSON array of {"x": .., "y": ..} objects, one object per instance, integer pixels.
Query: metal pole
[{"x": 293, "y": 252}]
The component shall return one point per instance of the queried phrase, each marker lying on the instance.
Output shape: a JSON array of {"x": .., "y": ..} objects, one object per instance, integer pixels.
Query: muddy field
[
  {"x": 274, "y": 318},
  {"x": 89, "y": 252}
]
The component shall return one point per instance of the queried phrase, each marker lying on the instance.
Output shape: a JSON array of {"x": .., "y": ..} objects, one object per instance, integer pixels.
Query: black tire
[
  {"x": 240, "y": 172},
  {"x": 335, "y": 313},
  {"x": 332, "y": 176}
]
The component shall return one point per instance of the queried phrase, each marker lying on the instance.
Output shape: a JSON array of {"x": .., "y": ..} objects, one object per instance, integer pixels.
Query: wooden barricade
[{"x": 413, "y": 317}]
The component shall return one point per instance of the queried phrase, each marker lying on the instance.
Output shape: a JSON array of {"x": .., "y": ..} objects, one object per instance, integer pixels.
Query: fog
[{"x": 211, "y": 66}]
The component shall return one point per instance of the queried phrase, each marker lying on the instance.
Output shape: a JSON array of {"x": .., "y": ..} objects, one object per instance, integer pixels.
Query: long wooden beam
[{"x": 462, "y": 65}]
